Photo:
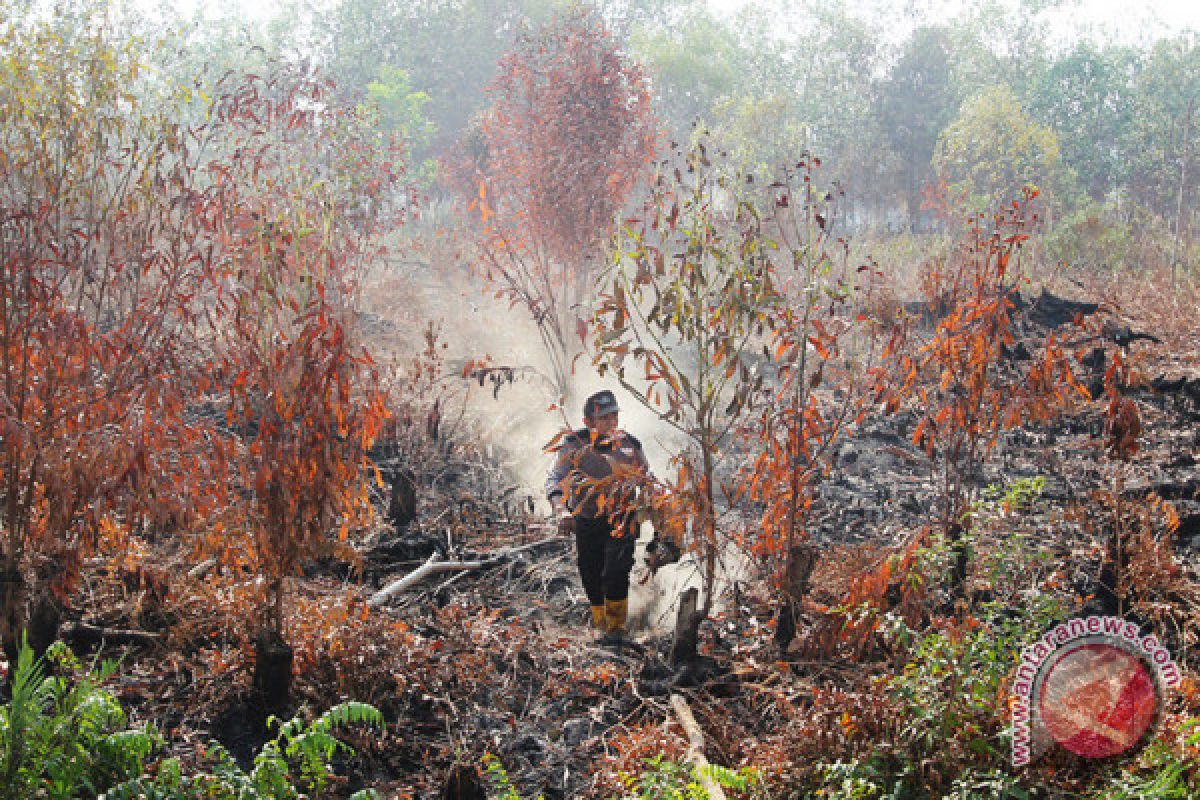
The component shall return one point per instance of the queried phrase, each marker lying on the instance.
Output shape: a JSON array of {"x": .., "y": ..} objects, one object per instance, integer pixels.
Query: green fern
[
  {"x": 65, "y": 736},
  {"x": 294, "y": 764},
  {"x": 664, "y": 779},
  {"x": 498, "y": 777}
]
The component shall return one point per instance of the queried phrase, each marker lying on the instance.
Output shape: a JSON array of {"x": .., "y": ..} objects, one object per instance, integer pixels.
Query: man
[{"x": 593, "y": 502}]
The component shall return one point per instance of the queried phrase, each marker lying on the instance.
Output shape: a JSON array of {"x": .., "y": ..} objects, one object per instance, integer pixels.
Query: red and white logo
[{"x": 1092, "y": 686}]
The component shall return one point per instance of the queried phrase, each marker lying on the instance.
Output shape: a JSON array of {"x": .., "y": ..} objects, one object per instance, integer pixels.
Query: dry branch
[
  {"x": 83, "y": 633},
  {"x": 695, "y": 753},
  {"x": 435, "y": 567}
]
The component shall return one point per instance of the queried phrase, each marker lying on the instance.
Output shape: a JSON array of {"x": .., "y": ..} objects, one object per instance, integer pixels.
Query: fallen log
[
  {"x": 695, "y": 753},
  {"x": 435, "y": 567}
]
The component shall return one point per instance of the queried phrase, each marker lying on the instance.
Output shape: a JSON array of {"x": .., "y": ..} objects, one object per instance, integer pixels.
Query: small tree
[
  {"x": 102, "y": 264},
  {"x": 993, "y": 149},
  {"x": 821, "y": 352},
  {"x": 304, "y": 399},
  {"x": 566, "y": 139},
  {"x": 688, "y": 302},
  {"x": 966, "y": 380}
]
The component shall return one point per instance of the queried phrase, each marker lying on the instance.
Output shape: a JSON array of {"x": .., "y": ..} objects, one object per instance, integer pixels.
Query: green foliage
[
  {"x": 63, "y": 735},
  {"x": 993, "y": 149},
  {"x": 1087, "y": 98},
  {"x": 1164, "y": 139},
  {"x": 401, "y": 111},
  {"x": 868, "y": 779},
  {"x": 1160, "y": 773},
  {"x": 1095, "y": 238},
  {"x": 950, "y": 737},
  {"x": 949, "y": 688},
  {"x": 1022, "y": 493},
  {"x": 694, "y": 64},
  {"x": 498, "y": 777},
  {"x": 1007, "y": 554},
  {"x": 916, "y": 99},
  {"x": 663, "y": 779},
  {"x": 293, "y": 765}
]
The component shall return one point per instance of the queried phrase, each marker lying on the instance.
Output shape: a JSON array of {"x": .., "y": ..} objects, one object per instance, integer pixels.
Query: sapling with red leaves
[
  {"x": 820, "y": 350},
  {"x": 304, "y": 395},
  {"x": 103, "y": 264},
  {"x": 964, "y": 380},
  {"x": 568, "y": 135}
]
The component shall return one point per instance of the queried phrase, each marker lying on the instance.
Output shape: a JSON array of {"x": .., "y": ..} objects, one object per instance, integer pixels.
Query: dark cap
[{"x": 599, "y": 404}]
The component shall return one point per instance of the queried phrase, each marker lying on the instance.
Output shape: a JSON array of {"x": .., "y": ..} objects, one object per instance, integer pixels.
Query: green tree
[
  {"x": 993, "y": 149},
  {"x": 691, "y": 65},
  {"x": 448, "y": 49},
  {"x": 401, "y": 111},
  {"x": 914, "y": 103},
  {"x": 1087, "y": 97},
  {"x": 1166, "y": 137}
]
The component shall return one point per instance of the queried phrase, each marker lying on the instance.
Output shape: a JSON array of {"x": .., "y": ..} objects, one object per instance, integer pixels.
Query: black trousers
[{"x": 605, "y": 560}]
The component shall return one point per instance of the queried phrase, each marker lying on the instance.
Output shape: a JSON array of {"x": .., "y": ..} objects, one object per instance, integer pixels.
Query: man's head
[{"x": 600, "y": 412}]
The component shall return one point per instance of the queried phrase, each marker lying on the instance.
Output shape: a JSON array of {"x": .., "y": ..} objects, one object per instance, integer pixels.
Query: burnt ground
[{"x": 500, "y": 660}]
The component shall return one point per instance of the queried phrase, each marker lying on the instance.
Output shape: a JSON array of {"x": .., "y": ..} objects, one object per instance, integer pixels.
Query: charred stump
[
  {"x": 956, "y": 538},
  {"x": 463, "y": 783},
  {"x": 1107, "y": 600},
  {"x": 687, "y": 628},
  {"x": 402, "y": 505},
  {"x": 801, "y": 560},
  {"x": 45, "y": 615},
  {"x": 273, "y": 669},
  {"x": 12, "y": 590}
]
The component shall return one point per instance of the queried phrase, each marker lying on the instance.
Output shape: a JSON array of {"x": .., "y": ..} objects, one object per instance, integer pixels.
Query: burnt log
[
  {"x": 82, "y": 633},
  {"x": 695, "y": 753}
]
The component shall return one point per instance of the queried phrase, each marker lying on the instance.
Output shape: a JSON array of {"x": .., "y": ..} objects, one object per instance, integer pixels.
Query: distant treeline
[{"x": 909, "y": 114}]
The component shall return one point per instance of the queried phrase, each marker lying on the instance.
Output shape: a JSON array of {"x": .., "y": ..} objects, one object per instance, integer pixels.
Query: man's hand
[{"x": 566, "y": 523}]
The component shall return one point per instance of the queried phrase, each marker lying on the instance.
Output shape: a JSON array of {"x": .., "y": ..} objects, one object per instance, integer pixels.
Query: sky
[
  {"x": 1125, "y": 18},
  {"x": 1126, "y": 21}
]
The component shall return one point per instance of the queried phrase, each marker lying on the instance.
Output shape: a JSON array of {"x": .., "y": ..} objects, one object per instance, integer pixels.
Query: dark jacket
[{"x": 580, "y": 460}]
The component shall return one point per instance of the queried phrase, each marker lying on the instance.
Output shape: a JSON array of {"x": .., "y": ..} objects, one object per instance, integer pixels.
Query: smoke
[{"x": 516, "y": 421}]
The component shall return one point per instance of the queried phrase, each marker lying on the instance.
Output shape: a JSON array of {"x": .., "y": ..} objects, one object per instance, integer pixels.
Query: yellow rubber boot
[
  {"x": 615, "y": 613},
  {"x": 599, "y": 618}
]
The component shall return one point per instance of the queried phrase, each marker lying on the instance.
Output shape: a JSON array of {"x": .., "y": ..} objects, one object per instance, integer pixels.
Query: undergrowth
[{"x": 64, "y": 735}]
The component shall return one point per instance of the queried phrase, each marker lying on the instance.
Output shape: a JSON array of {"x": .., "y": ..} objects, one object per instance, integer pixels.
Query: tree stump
[
  {"x": 956, "y": 537},
  {"x": 273, "y": 669},
  {"x": 402, "y": 506},
  {"x": 1107, "y": 600},
  {"x": 12, "y": 584},
  {"x": 687, "y": 628},
  {"x": 463, "y": 783},
  {"x": 801, "y": 560},
  {"x": 45, "y": 614}
]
